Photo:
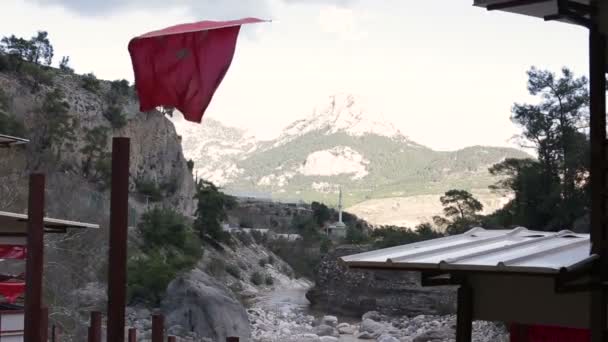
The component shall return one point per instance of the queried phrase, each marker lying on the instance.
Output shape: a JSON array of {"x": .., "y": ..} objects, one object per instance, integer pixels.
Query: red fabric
[
  {"x": 539, "y": 333},
  {"x": 12, "y": 252},
  {"x": 182, "y": 66},
  {"x": 12, "y": 290}
]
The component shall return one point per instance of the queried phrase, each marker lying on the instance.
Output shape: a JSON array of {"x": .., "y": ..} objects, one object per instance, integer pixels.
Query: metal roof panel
[{"x": 517, "y": 250}]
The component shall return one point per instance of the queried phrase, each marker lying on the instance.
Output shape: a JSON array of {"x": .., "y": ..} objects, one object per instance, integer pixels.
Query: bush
[
  {"x": 114, "y": 114},
  {"x": 262, "y": 262},
  {"x": 149, "y": 189},
  {"x": 216, "y": 267},
  {"x": 259, "y": 237},
  {"x": 40, "y": 75},
  {"x": 257, "y": 278},
  {"x": 244, "y": 237},
  {"x": 90, "y": 83},
  {"x": 269, "y": 281},
  {"x": 271, "y": 259},
  {"x": 190, "y": 164},
  {"x": 120, "y": 87},
  {"x": 234, "y": 271},
  {"x": 148, "y": 278}
]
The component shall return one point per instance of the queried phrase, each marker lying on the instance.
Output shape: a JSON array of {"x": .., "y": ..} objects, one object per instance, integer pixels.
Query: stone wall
[{"x": 354, "y": 292}]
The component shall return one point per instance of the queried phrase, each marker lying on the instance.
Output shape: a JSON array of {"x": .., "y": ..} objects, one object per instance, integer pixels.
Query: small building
[{"x": 525, "y": 278}]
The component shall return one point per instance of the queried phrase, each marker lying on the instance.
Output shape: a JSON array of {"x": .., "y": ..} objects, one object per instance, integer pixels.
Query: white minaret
[{"x": 340, "y": 205}]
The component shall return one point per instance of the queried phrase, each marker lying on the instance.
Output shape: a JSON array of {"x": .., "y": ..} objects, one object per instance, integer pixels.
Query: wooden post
[
  {"x": 172, "y": 339},
  {"x": 132, "y": 335},
  {"x": 117, "y": 254},
  {"x": 158, "y": 328},
  {"x": 464, "y": 313},
  {"x": 35, "y": 259},
  {"x": 95, "y": 327},
  {"x": 599, "y": 172},
  {"x": 232, "y": 339},
  {"x": 55, "y": 333},
  {"x": 44, "y": 333}
]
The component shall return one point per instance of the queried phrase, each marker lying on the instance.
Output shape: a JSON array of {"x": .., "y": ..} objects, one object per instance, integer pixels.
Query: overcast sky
[{"x": 444, "y": 72}]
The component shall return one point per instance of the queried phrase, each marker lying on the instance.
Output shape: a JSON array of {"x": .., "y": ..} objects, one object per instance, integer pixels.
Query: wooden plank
[{"x": 158, "y": 328}]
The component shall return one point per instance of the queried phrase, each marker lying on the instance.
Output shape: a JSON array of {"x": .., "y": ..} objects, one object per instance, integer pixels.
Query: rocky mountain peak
[{"x": 343, "y": 113}]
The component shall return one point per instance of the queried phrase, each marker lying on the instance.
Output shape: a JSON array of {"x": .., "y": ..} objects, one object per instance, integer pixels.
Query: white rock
[{"x": 332, "y": 321}]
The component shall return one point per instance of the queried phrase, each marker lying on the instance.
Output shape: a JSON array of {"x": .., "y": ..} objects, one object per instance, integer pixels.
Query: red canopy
[{"x": 182, "y": 66}]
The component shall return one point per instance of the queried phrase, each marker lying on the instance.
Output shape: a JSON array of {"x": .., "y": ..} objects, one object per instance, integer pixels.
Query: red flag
[
  {"x": 183, "y": 65},
  {"x": 12, "y": 290},
  {"x": 12, "y": 252}
]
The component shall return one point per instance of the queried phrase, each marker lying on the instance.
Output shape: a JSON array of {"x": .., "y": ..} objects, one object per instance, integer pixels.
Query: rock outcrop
[
  {"x": 354, "y": 292},
  {"x": 201, "y": 304}
]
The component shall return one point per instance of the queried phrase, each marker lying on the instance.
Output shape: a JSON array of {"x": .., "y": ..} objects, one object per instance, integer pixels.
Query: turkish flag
[
  {"x": 12, "y": 252},
  {"x": 12, "y": 290},
  {"x": 182, "y": 66}
]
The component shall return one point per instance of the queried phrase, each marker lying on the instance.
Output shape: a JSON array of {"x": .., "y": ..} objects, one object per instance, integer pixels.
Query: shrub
[
  {"x": 149, "y": 189},
  {"x": 259, "y": 237},
  {"x": 120, "y": 87},
  {"x": 190, "y": 164},
  {"x": 234, "y": 271},
  {"x": 257, "y": 278},
  {"x": 90, "y": 83},
  {"x": 40, "y": 75},
  {"x": 244, "y": 237},
  {"x": 148, "y": 278},
  {"x": 216, "y": 267},
  {"x": 271, "y": 259},
  {"x": 262, "y": 262},
  {"x": 10, "y": 125},
  {"x": 269, "y": 281},
  {"x": 114, "y": 114}
]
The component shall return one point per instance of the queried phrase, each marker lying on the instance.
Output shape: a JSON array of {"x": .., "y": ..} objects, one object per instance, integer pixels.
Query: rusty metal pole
[
  {"x": 55, "y": 333},
  {"x": 599, "y": 190},
  {"x": 44, "y": 333},
  {"x": 117, "y": 258},
  {"x": 232, "y": 339},
  {"x": 95, "y": 327},
  {"x": 132, "y": 335},
  {"x": 172, "y": 339},
  {"x": 464, "y": 313},
  {"x": 35, "y": 259},
  {"x": 158, "y": 328}
]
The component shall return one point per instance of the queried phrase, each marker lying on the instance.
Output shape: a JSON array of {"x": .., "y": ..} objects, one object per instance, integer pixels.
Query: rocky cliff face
[{"x": 354, "y": 292}]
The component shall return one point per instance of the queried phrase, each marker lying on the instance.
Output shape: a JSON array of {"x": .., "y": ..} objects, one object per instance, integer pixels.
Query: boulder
[
  {"x": 346, "y": 329},
  {"x": 387, "y": 338},
  {"x": 206, "y": 307},
  {"x": 326, "y": 330},
  {"x": 332, "y": 321},
  {"x": 435, "y": 335},
  {"x": 364, "y": 335},
  {"x": 372, "y": 326}
]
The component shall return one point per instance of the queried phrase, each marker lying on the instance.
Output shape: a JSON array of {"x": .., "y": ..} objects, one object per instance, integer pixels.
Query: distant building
[{"x": 337, "y": 229}]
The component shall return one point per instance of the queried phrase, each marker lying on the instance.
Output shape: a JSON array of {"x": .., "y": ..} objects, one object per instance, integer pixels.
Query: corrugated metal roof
[
  {"x": 14, "y": 223},
  {"x": 7, "y": 140},
  {"x": 517, "y": 250}
]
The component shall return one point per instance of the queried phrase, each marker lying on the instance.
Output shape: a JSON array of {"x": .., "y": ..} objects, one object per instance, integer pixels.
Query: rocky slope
[
  {"x": 343, "y": 142},
  {"x": 354, "y": 292}
]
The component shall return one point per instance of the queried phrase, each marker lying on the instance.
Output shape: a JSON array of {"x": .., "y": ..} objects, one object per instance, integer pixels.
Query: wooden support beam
[
  {"x": 232, "y": 339},
  {"x": 55, "y": 333},
  {"x": 35, "y": 259},
  {"x": 117, "y": 258},
  {"x": 598, "y": 170},
  {"x": 44, "y": 329},
  {"x": 172, "y": 339},
  {"x": 464, "y": 313},
  {"x": 158, "y": 328}
]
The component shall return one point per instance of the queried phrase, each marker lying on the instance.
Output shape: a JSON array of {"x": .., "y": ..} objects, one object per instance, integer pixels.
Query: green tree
[
  {"x": 56, "y": 125},
  {"x": 96, "y": 141},
  {"x": 320, "y": 212},
  {"x": 551, "y": 192},
  {"x": 41, "y": 49},
  {"x": 64, "y": 65},
  {"x": 461, "y": 211},
  {"x": 211, "y": 210}
]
